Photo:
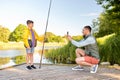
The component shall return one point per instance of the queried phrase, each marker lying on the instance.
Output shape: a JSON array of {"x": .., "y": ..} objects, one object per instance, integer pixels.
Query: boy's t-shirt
[{"x": 33, "y": 37}]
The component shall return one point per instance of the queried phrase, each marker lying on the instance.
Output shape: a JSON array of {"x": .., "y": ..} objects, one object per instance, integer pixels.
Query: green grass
[
  {"x": 20, "y": 45},
  {"x": 4, "y": 60},
  {"x": 109, "y": 49}
]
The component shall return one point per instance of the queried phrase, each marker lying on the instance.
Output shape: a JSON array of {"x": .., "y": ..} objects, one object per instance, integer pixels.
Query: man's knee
[{"x": 78, "y": 50}]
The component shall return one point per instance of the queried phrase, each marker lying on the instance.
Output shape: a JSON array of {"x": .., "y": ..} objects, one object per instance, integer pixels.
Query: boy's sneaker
[
  {"x": 28, "y": 68},
  {"x": 78, "y": 68},
  {"x": 94, "y": 69},
  {"x": 32, "y": 66}
]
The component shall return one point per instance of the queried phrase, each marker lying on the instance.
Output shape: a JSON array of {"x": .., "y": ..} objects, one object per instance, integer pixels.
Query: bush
[
  {"x": 4, "y": 60},
  {"x": 108, "y": 48},
  {"x": 101, "y": 44},
  {"x": 111, "y": 51},
  {"x": 65, "y": 54},
  {"x": 19, "y": 59}
]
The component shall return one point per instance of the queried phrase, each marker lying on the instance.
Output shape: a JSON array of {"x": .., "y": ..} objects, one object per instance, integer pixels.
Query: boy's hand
[{"x": 28, "y": 47}]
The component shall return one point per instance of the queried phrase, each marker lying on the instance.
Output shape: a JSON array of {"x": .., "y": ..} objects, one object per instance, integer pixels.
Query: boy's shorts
[
  {"x": 30, "y": 50},
  {"x": 91, "y": 60}
]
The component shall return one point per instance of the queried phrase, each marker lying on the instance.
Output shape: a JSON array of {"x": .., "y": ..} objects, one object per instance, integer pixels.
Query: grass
[
  {"x": 108, "y": 48},
  {"x": 20, "y": 45},
  {"x": 4, "y": 60}
]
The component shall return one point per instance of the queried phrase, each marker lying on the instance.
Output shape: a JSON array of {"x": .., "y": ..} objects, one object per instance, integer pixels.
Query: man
[
  {"x": 89, "y": 56},
  {"x": 30, "y": 38}
]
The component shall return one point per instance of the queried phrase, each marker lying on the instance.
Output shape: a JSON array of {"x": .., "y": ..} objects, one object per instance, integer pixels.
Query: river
[{"x": 15, "y": 57}]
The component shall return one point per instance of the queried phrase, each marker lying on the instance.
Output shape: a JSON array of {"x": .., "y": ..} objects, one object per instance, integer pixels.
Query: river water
[{"x": 15, "y": 57}]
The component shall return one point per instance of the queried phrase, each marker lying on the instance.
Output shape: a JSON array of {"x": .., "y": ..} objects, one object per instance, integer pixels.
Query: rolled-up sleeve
[{"x": 89, "y": 40}]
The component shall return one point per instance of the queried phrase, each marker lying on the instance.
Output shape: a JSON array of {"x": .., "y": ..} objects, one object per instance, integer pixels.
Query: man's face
[
  {"x": 85, "y": 31},
  {"x": 30, "y": 25}
]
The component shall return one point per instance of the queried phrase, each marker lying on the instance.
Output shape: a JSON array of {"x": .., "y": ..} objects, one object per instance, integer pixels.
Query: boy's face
[{"x": 30, "y": 25}]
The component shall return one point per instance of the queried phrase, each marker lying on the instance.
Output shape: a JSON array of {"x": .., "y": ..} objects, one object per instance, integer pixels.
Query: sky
[{"x": 65, "y": 15}]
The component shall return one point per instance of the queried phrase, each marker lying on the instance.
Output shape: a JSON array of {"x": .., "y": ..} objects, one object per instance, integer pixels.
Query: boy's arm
[
  {"x": 25, "y": 38},
  {"x": 39, "y": 38}
]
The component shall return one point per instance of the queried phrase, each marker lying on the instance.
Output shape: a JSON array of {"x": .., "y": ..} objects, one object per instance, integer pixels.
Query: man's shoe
[
  {"x": 94, "y": 69},
  {"x": 28, "y": 68},
  {"x": 32, "y": 66},
  {"x": 78, "y": 68}
]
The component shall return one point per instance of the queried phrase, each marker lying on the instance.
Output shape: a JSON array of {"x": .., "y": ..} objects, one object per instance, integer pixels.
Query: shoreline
[{"x": 20, "y": 45}]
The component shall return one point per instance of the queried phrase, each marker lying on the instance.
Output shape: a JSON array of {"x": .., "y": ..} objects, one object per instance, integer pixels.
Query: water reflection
[
  {"x": 15, "y": 57},
  {"x": 9, "y": 57}
]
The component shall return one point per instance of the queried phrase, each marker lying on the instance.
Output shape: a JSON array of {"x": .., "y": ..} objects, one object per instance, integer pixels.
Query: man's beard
[{"x": 84, "y": 36}]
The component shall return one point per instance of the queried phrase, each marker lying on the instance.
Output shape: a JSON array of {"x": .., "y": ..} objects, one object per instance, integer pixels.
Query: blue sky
[{"x": 66, "y": 15}]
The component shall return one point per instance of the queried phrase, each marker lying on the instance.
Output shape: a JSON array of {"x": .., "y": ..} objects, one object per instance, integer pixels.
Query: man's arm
[{"x": 89, "y": 40}]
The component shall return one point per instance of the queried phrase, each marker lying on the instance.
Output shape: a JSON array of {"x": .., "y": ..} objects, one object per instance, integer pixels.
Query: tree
[
  {"x": 17, "y": 34},
  {"x": 78, "y": 37},
  {"x": 104, "y": 25},
  {"x": 4, "y": 34},
  {"x": 109, "y": 20},
  {"x": 95, "y": 27},
  {"x": 50, "y": 37}
]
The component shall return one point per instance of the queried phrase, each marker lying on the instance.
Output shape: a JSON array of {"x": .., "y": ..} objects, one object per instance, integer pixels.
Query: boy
[{"x": 30, "y": 38}]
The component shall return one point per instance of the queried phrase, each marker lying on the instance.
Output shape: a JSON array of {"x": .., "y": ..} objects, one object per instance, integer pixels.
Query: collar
[{"x": 85, "y": 37}]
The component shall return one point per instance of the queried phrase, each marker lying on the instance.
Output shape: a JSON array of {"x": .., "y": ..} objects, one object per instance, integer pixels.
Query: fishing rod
[{"x": 45, "y": 33}]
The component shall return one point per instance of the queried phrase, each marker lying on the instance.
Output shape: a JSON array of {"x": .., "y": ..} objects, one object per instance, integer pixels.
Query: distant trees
[
  {"x": 4, "y": 34},
  {"x": 78, "y": 37},
  {"x": 17, "y": 34},
  {"x": 50, "y": 37}
]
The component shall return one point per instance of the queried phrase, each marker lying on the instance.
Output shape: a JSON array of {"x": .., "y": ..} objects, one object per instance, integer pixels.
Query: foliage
[
  {"x": 19, "y": 59},
  {"x": 108, "y": 49},
  {"x": 78, "y": 37},
  {"x": 4, "y": 34},
  {"x": 65, "y": 54},
  {"x": 95, "y": 27},
  {"x": 4, "y": 60},
  {"x": 102, "y": 40},
  {"x": 50, "y": 37},
  {"x": 17, "y": 34},
  {"x": 109, "y": 20}
]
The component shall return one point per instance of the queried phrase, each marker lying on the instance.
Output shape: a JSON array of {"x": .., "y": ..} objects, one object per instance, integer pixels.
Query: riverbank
[
  {"x": 20, "y": 45},
  {"x": 58, "y": 72}
]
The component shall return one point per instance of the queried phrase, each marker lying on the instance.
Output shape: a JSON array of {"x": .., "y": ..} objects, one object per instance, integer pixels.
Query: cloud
[{"x": 90, "y": 14}]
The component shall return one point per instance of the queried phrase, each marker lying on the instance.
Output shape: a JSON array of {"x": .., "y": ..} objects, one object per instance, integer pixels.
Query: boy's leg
[
  {"x": 31, "y": 56},
  {"x": 28, "y": 51},
  {"x": 31, "y": 59},
  {"x": 27, "y": 58}
]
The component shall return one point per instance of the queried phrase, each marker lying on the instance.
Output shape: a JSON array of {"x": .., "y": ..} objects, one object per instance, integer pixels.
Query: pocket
[
  {"x": 30, "y": 42},
  {"x": 35, "y": 43}
]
